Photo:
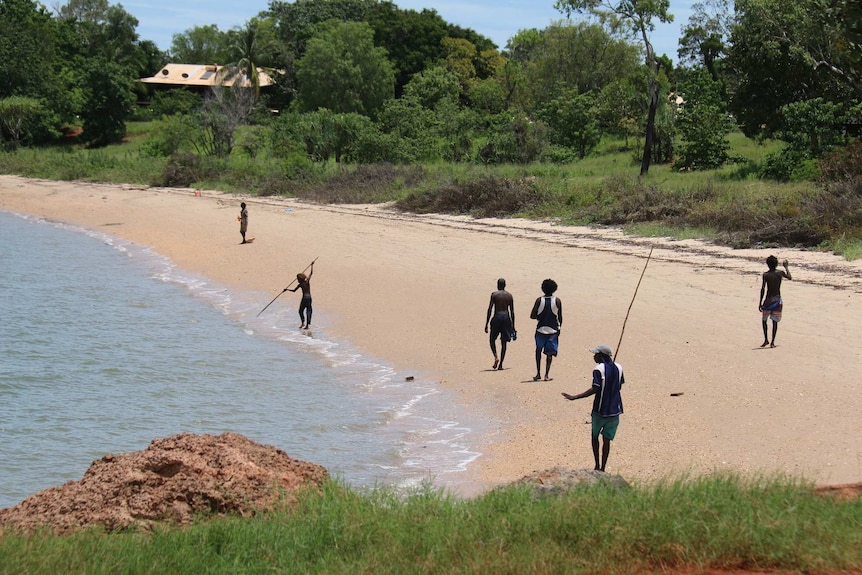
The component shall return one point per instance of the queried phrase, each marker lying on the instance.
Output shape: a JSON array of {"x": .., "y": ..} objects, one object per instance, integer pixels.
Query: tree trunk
[{"x": 649, "y": 137}]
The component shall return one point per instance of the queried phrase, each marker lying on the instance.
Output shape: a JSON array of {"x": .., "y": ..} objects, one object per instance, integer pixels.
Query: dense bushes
[{"x": 484, "y": 198}]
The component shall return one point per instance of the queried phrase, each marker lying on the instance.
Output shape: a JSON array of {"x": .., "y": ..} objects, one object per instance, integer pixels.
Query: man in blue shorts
[
  {"x": 548, "y": 311},
  {"x": 772, "y": 305},
  {"x": 608, "y": 380}
]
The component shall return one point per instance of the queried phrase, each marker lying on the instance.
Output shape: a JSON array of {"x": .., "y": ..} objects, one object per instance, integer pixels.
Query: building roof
[{"x": 202, "y": 75}]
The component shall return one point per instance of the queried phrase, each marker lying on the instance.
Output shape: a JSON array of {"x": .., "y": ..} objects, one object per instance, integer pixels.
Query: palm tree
[{"x": 252, "y": 47}]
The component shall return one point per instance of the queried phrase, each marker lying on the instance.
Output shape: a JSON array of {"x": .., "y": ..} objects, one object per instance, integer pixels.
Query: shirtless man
[
  {"x": 503, "y": 322},
  {"x": 771, "y": 306},
  {"x": 304, "y": 283}
]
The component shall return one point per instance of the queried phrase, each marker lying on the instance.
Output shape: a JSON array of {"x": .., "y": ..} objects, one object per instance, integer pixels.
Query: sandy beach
[{"x": 701, "y": 394}]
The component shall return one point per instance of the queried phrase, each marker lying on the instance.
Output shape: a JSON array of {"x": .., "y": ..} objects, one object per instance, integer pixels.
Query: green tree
[
  {"x": 517, "y": 140},
  {"x": 413, "y": 128},
  {"x": 252, "y": 48},
  {"x": 812, "y": 126},
  {"x": 572, "y": 120},
  {"x": 703, "y": 123},
  {"x": 28, "y": 50},
  {"x": 411, "y": 39},
  {"x": 201, "y": 45},
  {"x": 344, "y": 72},
  {"x": 635, "y": 17},
  {"x": 705, "y": 37},
  {"x": 621, "y": 106},
  {"x": 776, "y": 58},
  {"x": 433, "y": 85},
  {"x": 108, "y": 101},
  {"x": 581, "y": 56},
  {"x": 110, "y": 32},
  {"x": 25, "y": 120}
]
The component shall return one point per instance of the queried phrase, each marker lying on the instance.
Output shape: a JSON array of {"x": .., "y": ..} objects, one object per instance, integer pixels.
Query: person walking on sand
[
  {"x": 503, "y": 323},
  {"x": 243, "y": 221},
  {"x": 608, "y": 380},
  {"x": 303, "y": 282},
  {"x": 548, "y": 311},
  {"x": 772, "y": 305}
]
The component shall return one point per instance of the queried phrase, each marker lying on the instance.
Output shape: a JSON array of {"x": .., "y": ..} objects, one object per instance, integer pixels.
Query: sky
[{"x": 499, "y": 20}]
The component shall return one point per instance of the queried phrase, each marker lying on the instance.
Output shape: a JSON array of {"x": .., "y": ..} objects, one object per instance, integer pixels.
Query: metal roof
[{"x": 202, "y": 75}]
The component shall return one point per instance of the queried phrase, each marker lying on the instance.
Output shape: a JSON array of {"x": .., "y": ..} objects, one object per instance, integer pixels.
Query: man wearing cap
[{"x": 608, "y": 403}]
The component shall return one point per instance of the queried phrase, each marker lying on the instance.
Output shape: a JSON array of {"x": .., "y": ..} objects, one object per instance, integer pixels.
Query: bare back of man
[
  {"x": 501, "y": 318},
  {"x": 770, "y": 303},
  {"x": 502, "y": 301}
]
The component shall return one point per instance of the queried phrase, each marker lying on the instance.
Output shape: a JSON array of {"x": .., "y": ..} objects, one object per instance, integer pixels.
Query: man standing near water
[
  {"x": 303, "y": 282},
  {"x": 503, "y": 323},
  {"x": 243, "y": 221},
  {"x": 772, "y": 306},
  {"x": 608, "y": 379}
]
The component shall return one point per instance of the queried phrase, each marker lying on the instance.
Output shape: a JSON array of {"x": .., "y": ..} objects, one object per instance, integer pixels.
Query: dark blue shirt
[{"x": 608, "y": 377}]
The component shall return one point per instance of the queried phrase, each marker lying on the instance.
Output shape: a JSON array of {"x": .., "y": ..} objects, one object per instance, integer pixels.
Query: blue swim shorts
[
  {"x": 606, "y": 426},
  {"x": 548, "y": 342}
]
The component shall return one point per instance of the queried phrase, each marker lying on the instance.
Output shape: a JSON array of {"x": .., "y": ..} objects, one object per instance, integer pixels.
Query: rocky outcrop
[
  {"x": 173, "y": 480},
  {"x": 558, "y": 480}
]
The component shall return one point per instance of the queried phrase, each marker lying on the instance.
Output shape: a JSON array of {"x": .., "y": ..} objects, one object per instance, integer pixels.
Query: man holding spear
[
  {"x": 608, "y": 380},
  {"x": 303, "y": 282}
]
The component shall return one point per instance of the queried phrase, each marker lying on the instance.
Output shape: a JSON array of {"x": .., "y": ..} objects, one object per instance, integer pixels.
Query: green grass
[{"x": 710, "y": 522}]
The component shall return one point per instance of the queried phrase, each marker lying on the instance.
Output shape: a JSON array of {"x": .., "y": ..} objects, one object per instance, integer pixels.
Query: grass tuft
[{"x": 711, "y": 522}]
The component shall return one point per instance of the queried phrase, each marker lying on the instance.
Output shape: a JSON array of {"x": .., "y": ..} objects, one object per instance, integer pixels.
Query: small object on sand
[
  {"x": 408, "y": 378},
  {"x": 197, "y": 193},
  {"x": 676, "y": 394}
]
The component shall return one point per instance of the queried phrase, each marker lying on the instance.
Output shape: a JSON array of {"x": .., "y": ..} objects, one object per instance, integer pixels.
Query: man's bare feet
[
  {"x": 500, "y": 367},
  {"x": 537, "y": 378},
  {"x": 549, "y": 378},
  {"x": 495, "y": 363},
  {"x": 302, "y": 326},
  {"x": 764, "y": 344},
  {"x": 771, "y": 345}
]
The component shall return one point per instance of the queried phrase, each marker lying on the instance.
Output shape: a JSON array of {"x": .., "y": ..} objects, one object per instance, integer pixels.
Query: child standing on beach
[{"x": 243, "y": 221}]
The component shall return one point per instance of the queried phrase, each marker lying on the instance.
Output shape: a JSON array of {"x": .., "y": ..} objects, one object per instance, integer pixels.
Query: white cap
[{"x": 605, "y": 349}]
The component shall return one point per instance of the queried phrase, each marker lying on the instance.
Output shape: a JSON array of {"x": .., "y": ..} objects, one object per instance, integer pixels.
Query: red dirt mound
[{"x": 172, "y": 480}]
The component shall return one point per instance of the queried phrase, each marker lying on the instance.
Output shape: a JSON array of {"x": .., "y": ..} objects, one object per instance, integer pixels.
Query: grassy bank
[
  {"x": 730, "y": 205},
  {"x": 709, "y": 522}
]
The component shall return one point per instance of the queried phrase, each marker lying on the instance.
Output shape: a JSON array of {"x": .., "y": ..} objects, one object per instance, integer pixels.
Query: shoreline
[{"x": 414, "y": 290}]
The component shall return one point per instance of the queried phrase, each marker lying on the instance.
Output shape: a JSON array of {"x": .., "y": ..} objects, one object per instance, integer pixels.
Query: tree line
[{"x": 364, "y": 81}]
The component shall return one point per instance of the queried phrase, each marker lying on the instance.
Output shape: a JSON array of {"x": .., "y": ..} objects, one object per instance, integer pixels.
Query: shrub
[
  {"x": 181, "y": 171},
  {"x": 488, "y": 197},
  {"x": 366, "y": 184},
  {"x": 782, "y": 166},
  {"x": 841, "y": 164}
]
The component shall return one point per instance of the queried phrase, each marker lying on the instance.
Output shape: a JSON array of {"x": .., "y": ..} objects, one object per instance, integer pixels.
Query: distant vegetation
[
  {"x": 717, "y": 522},
  {"x": 752, "y": 138}
]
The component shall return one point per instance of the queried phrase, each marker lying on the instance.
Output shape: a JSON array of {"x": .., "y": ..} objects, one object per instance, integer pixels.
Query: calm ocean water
[{"x": 105, "y": 345}]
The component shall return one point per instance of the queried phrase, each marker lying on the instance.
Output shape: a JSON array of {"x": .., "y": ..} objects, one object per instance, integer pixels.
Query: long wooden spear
[
  {"x": 631, "y": 303},
  {"x": 285, "y": 289}
]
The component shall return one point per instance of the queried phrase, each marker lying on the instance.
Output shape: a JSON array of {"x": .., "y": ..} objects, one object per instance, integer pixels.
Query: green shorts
[{"x": 606, "y": 426}]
